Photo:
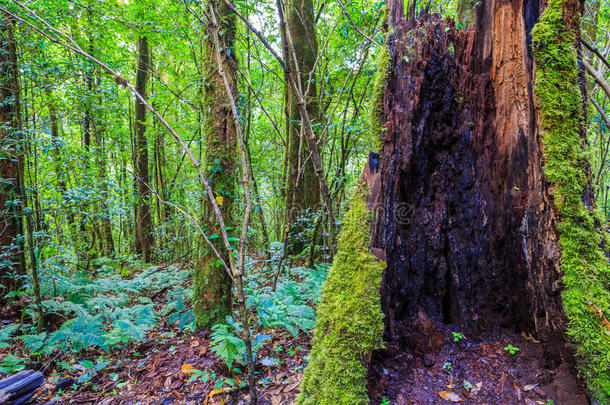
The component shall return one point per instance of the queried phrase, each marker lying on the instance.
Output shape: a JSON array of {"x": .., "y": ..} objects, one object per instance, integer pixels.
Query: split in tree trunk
[{"x": 484, "y": 210}]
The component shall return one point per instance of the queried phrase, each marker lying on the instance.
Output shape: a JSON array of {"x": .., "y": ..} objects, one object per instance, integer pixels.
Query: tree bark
[
  {"x": 12, "y": 259},
  {"x": 465, "y": 214},
  {"x": 302, "y": 185},
  {"x": 212, "y": 284},
  {"x": 143, "y": 221}
]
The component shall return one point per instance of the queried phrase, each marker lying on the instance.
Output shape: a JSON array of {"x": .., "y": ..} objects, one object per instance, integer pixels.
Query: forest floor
[
  {"x": 441, "y": 366},
  {"x": 472, "y": 370},
  {"x": 157, "y": 371}
]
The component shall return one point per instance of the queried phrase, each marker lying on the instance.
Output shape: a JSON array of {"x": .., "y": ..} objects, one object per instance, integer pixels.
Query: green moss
[
  {"x": 375, "y": 106},
  {"x": 586, "y": 274},
  {"x": 211, "y": 292},
  {"x": 349, "y": 319}
]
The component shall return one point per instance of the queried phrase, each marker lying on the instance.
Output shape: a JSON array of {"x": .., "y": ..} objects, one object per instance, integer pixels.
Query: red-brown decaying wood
[{"x": 463, "y": 212}]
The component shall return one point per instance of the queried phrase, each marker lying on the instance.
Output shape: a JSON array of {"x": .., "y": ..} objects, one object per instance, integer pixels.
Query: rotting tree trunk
[
  {"x": 12, "y": 260},
  {"x": 211, "y": 282},
  {"x": 143, "y": 220},
  {"x": 465, "y": 214},
  {"x": 302, "y": 185}
]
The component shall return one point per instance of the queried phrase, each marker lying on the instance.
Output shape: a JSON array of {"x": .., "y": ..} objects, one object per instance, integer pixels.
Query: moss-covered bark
[
  {"x": 349, "y": 319},
  {"x": 583, "y": 260},
  {"x": 375, "y": 106},
  {"x": 211, "y": 283}
]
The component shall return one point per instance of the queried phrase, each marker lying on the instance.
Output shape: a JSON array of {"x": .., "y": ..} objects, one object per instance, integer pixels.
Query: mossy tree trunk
[
  {"x": 212, "y": 284},
  {"x": 302, "y": 187},
  {"x": 143, "y": 220},
  {"x": 349, "y": 322},
  {"x": 12, "y": 259},
  {"x": 488, "y": 217}
]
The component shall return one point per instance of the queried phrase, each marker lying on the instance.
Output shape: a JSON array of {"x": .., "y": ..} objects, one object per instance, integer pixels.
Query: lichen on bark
[
  {"x": 349, "y": 320},
  {"x": 586, "y": 274}
]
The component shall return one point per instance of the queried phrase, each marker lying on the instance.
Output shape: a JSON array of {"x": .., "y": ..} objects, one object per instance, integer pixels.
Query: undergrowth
[
  {"x": 104, "y": 313},
  {"x": 586, "y": 274}
]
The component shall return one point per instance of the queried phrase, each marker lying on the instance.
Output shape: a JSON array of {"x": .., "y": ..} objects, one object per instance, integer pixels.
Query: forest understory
[
  {"x": 309, "y": 202},
  {"x": 432, "y": 364}
]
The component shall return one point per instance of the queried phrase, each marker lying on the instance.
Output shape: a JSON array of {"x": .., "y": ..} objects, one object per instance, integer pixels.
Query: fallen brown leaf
[{"x": 450, "y": 396}]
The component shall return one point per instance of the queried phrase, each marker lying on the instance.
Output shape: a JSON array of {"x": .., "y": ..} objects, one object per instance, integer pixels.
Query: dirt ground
[{"x": 441, "y": 368}]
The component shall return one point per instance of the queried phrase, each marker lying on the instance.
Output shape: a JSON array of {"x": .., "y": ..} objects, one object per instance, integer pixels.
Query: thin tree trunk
[{"x": 143, "y": 223}]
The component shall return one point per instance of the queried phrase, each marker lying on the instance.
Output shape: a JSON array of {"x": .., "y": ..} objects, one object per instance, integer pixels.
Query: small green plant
[
  {"x": 11, "y": 363},
  {"x": 227, "y": 345},
  {"x": 551, "y": 402},
  {"x": 467, "y": 385},
  {"x": 92, "y": 369},
  {"x": 511, "y": 349},
  {"x": 457, "y": 336},
  {"x": 384, "y": 401},
  {"x": 204, "y": 375},
  {"x": 6, "y": 333}
]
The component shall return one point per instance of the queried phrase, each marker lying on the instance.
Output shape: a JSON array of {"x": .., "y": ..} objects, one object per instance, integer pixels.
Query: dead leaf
[
  {"x": 529, "y": 387},
  {"x": 291, "y": 387},
  {"x": 599, "y": 314},
  {"x": 517, "y": 389},
  {"x": 195, "y": 343},
  {"x": 450, "y": 396},
  {"x": 177, "y": 394},
  {"x": 476, "y": 388},
  {"x": 187, "y": 368},
  {"x": 203, "y": 351}
]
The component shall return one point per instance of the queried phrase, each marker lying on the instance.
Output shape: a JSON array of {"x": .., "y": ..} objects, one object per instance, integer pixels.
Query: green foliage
[
  {"x": 288, "y": 306},
  {"x": 511, "y": 349},
  {"x": 110, "y": 311},
  {"x": 203, "y": 375},
  {"x": 11, "y": 364},
  {"x": 6, "y": 333},
  {"x": 91, "y": 370},
  {"x": 349, "y": 319},
  {"x": 457, "y": 336},
  {"x": 583, "y": 260},
  {"x": 229, "y": 346}
]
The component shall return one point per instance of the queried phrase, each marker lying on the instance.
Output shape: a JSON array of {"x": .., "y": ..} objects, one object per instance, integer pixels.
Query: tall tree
[
  {"x": 212, "y": 285},
  {"x": 302, "y": 186},
  {"x": 143, "y": 220},
  {"x": 11, "y": 166}
]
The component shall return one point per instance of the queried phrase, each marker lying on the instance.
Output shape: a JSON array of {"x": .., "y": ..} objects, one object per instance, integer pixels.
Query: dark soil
[{"x": 492, "y": 375}]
